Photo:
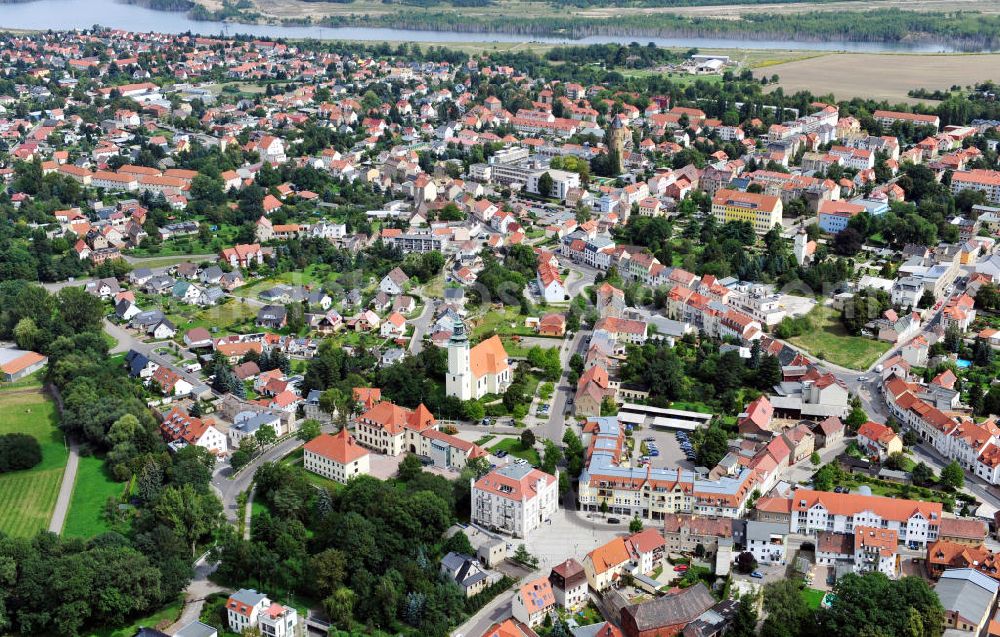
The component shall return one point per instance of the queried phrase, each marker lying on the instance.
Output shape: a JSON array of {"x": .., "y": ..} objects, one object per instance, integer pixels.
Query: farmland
[
  {"x": 881, "y": 76},
  {"x": 28, "y": 497}
]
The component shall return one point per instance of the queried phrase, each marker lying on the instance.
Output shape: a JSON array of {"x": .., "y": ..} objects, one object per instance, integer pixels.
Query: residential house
[
  {"x": 569, "y": 584},
  {"x": 878, "y": 440},
  {"x": 246, "y": 608},
  {"x": 533, "y": 602},
  {"x": 466, "y": 571}
]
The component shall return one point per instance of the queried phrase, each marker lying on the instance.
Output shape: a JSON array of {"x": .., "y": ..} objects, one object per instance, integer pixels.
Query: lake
[{"x": 83, "y": 14}]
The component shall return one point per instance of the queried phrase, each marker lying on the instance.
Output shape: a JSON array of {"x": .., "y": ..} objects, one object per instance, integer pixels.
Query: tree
[
  {"x": 551, "y": 456},
  {"x": 713, "y": 447},
  {"x": 856, "y": 417},
  {"x": 545, "y": 184},
  {"x": 896, "y": 461},
  {"x": 635, "y": 525},
  {"x": 746, "y": 562},
  {"x": 744, "y": 623},
  {"x": 827, "y": 477},
  {"x": 409, "y": 468},
  {"x": 907, "y": 606},
  {"x": 522, "y": 556},
  {"x": 814, "y": 459},
  {"x": 926, "y": 300},
  {"x": 265, "y": 436},
  {"x": 474, "y": 411},
  {"x": 574, "y": 452},
  {"x": 80, "y": 311},
  {"x": 239, "y": 459},
  {"x": 19, "y": 451},
  {"x": 527, "y": 439},
  {"x": 27, "y": 335},
  {"x": 340, "y": 607},
  {"x": 952, "y": 475},
  {"x": 922, "y": 474},
  {"x": 327, "y": 569},
  {"x": 193, "y": 515},
  {"x": 787, "y": 612},
  {"x": 309, "y": 429},
  {"x": 847, "y": 242}
]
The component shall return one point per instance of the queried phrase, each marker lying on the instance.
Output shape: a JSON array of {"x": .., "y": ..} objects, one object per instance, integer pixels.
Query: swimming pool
[{"x": 962, "y": 363}]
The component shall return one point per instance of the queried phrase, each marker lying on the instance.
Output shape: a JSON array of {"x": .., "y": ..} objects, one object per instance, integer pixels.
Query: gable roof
[{"x": 339, "y": 447}]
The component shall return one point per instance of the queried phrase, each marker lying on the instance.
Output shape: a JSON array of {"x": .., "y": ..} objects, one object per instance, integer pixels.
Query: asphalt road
[
  {"x": 553, "y": 427},
  {"x": 229, "y": 486},
  {"x": 421, "y": 324}
]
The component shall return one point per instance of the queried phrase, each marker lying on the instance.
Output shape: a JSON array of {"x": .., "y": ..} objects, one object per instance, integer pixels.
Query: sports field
[{"x": 27, "y": 498}]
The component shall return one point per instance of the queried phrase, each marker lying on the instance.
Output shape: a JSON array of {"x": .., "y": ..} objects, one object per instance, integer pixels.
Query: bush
[{"x": 18, "y": 452}]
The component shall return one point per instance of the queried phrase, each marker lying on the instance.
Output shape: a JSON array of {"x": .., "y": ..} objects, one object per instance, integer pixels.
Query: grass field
[
  {"x": 513, "y": 447},
  {"x": 27, "y": 498},
  {"x": 881, "y": 76},
  {"x": 813, "y": 597},
  {"x": 92, "y": 489},
  {"x": 829, "y": 341},
  {"x": 34, "y": 381}
]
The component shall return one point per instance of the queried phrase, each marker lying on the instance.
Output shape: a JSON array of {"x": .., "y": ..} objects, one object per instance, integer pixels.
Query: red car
[{"x": 681, "y": 568}]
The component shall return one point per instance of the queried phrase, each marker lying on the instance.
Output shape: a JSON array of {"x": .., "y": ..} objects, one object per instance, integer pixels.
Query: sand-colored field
[{"x": 883, "y": 76}]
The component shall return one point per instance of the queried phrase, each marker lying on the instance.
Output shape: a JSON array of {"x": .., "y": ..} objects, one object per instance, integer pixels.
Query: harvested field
[{"x": 883, "y": 76}]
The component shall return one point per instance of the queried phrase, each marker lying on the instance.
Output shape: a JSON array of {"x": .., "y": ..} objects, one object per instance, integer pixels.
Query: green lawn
[
  {"x": 828, "y": 340},
  {"x": 160, "y": 619},
  {"x": 28, "y": 497},
  {"x": 295, "y": 459},
  {"x": 34, "y": 381},
  {"x": 513, "y": 447},
  {"x": 813, "y": 597},
  {"x": 92, "y": 489}
]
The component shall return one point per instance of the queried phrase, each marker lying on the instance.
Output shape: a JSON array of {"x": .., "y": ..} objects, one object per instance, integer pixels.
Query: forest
[{"x": 367, "y": 552}]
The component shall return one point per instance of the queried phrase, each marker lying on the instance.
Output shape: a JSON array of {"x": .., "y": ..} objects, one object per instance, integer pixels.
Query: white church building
[{"x": 476, "y": 371}]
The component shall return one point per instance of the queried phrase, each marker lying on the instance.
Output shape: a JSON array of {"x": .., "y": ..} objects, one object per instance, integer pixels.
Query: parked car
[
  {"x": 614, "y": 520},
  {"x": 501, "y": 454},
  {"x": 757, "y": 575},
  {"x": 681, "y": 568}
]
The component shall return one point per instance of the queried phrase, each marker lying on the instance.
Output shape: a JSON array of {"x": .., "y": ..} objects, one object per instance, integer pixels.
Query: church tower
[
  {"x": 802, "y": 253},
  {"x": 459, "y": 381}
]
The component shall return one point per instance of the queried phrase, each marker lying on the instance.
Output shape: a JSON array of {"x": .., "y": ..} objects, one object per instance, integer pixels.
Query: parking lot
[{"x": 671, "y": 454}]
